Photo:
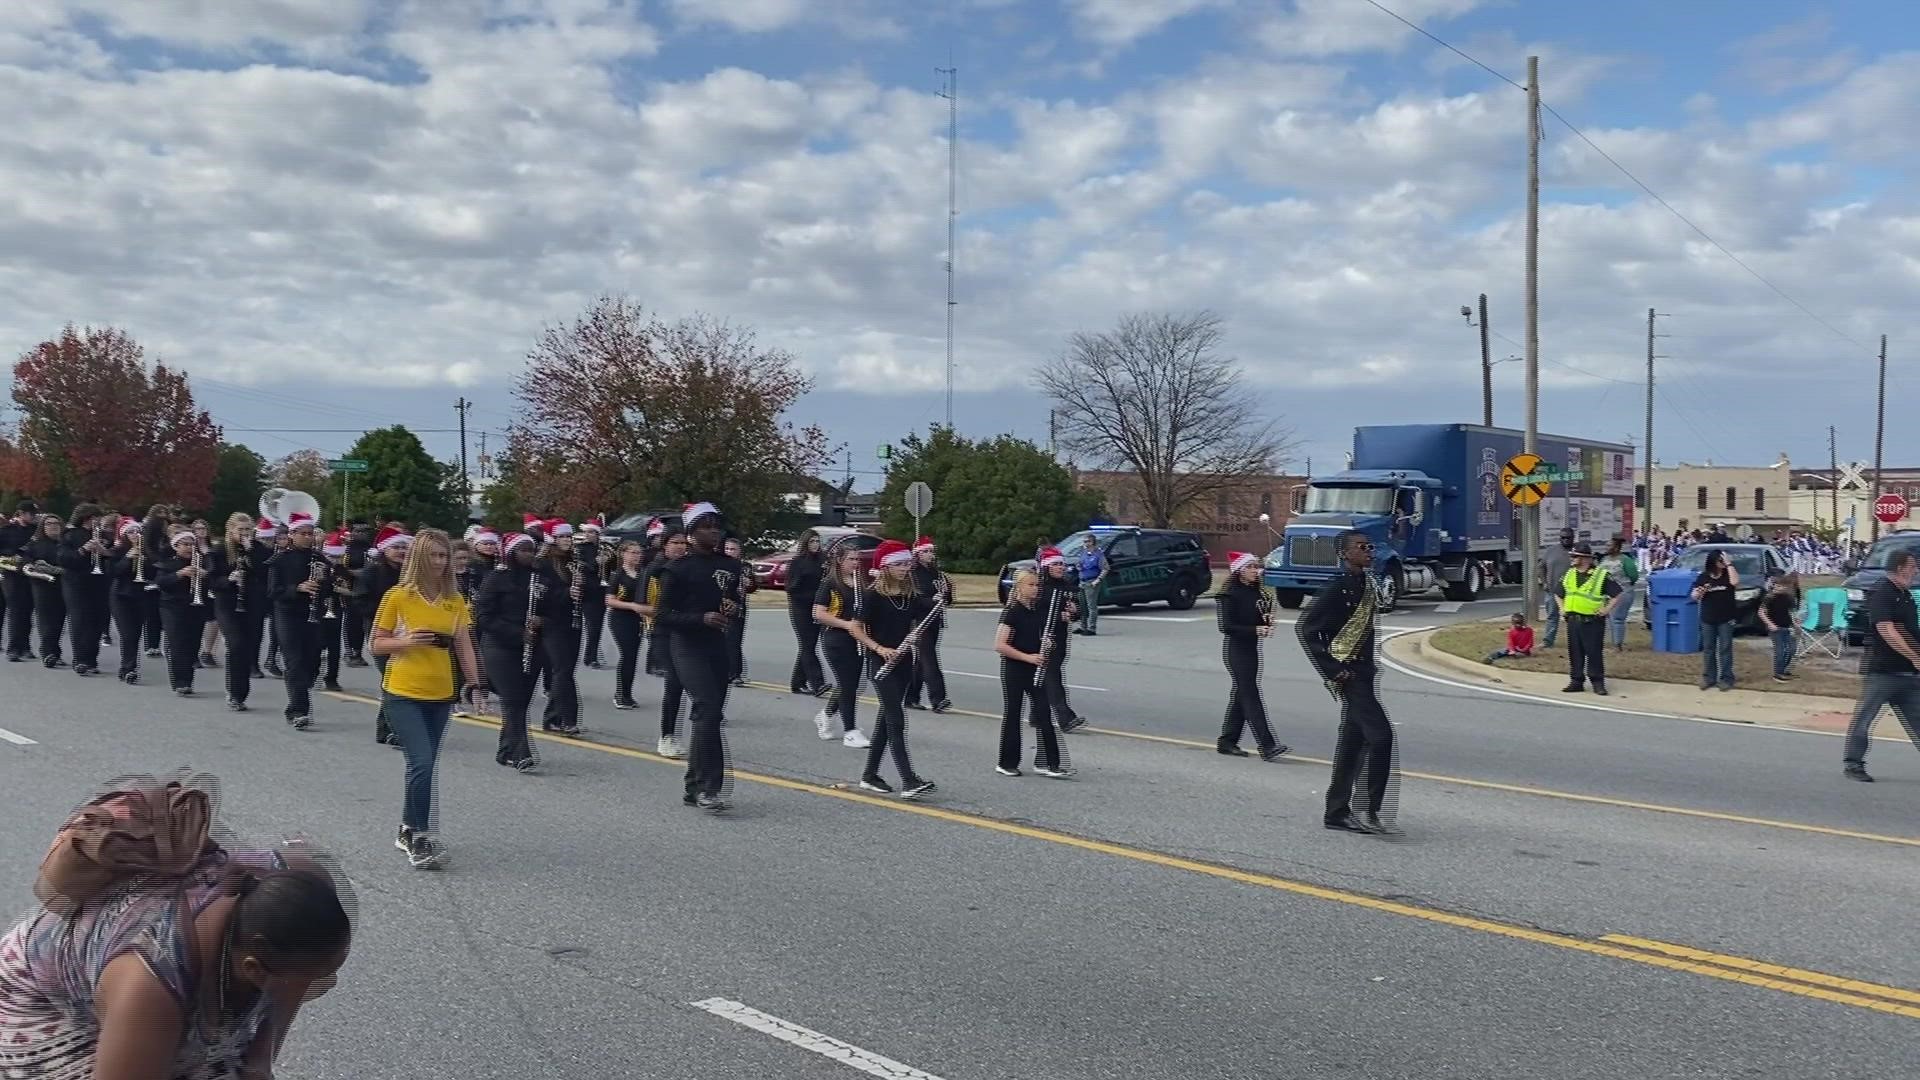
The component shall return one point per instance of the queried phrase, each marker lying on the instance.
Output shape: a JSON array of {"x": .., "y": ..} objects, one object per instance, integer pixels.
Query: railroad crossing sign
[
  {"x": 1850, "y": 477},
  {"x": 1525, "y": 479},
  {"x": 1890, "y": 507}
]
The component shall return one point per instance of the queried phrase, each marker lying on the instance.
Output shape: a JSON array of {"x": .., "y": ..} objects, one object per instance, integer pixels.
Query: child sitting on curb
[{"x": 1519, "y": 640}]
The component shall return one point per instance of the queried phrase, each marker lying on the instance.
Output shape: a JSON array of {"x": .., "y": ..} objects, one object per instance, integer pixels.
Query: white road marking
[
  {"x": 1157, "y": 618},
  {"x": 1070, "y": 686},
  {"x": 1448, "y": 608},
  {"x": 17, "y": 740},
  {"x": 807, "y": 1039}
]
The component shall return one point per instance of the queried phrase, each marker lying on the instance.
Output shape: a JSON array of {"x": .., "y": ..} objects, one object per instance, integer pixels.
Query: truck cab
[{"x": 1396, "y": 509}]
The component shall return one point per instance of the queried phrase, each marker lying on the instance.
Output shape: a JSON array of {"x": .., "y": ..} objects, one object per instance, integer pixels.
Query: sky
[{"x": 342, "y": 214}]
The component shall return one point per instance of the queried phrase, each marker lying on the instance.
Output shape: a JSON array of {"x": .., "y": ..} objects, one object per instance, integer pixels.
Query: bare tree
[{"x": 1153, "y": 397}]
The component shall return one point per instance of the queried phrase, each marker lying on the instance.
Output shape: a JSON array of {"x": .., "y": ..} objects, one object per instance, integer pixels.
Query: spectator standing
[
  {"x": 1776, "y": 614},
  {"x": 1714, "y": 591},
  {"x": 1093, "y": 569},
  {"x": 1890, "y": 669},
  {"x": 1621, "y": 566}
]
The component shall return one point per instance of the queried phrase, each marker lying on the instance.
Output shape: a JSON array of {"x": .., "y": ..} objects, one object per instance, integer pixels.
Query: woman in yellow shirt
[{"x": 422, "y": 626}]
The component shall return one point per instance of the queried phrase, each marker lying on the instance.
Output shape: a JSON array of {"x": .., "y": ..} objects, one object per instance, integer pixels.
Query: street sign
[
  {"x": 919, "y": 499},
  {"x": 347, "y": 465},
  {"x": 885, "y": 452},
  {"x": 1890, "y": 507},
  {"x": 1517, "y": 482},
  {"x": 1850, "y": 478}
]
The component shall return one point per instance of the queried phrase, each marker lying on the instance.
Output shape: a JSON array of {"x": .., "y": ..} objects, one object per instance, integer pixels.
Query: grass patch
[
  {"x": 1752, "y": 660},
  {"x": 967, "y": 589}
]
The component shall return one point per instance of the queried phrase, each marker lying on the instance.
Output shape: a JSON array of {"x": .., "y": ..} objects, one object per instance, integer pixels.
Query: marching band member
[
  {"x": 506, "y": 618},
  {"x": 337, "y": 593},
  {"x": 181, "y": 581},
  {"x": 1053, "y": 683},
  {"x": 298, "y": 583},
  {"x": 893, "y": 611},
  {"x": 558, "y": 648},
  {"x": 131, "y": 572},
  {"x": 626, "y": 605},
  {"x": 210, "y": 628},
  {"x": 238, "y": 581},
  {"x": 656, "y": 644},
  {"x": 84, "y": 584},
  {"x": 15, "y": 535},
  {"x": 1244, "y": 613},
  {"x": 673, "y": 546},
  {"x": 931, "y": 584},
  {"x": 804, "y": 572},
  {"x": 271, "y": 532},
  {"x": 49, "y": 601},
  {"x": 697, "y": 600},
  {"x": 157, "y": 541},
  {"x": 838, "y": 606},
  {"x": 737, "y": 632},
  {"x": 1024, "y": 645},
  {"x": 1338, "y": 632},
  {"x": 593, "y": 589},
  {"x": 361, "y": 542},
  {"x": 380, "y": 569}
]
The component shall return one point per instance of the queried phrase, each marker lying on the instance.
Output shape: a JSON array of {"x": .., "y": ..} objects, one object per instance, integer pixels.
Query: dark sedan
[{"x": 1757, "y": 565}]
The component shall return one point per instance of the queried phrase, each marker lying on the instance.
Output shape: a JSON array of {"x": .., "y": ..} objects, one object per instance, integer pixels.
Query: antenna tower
[{"x": 952, "y": 94}]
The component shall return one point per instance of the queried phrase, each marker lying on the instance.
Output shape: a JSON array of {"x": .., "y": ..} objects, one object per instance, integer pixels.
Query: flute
[
  {"x": 1048, "y": 629},
  {"x": 912, "y": 640},
  {"x": 535, "y": 590}
]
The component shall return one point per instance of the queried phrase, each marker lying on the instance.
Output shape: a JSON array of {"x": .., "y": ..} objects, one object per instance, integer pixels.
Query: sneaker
[
  {"x": 712, "y": 804},
  {"x": 874, "y": 783},
  {"x": 403, "y": 839},
  {"x": 856, "y": 739},
  {"x": 300, "y": 723},
  {"x": 424, "y": 852},
  {"x": 915, "y": 706},
  {"x": 332, "y": 685},
  {"x": 1859, "y": 772},
  {"x": 942, "y": 705},
  {"x": 625, "y": 703},
  {"x": 1004, "y": 771},
  {"x": 823, "y": 723},
  {"x": 1073, "y": 724},
  {"x": 183, "y": 691},
  {"x": 234, "y": 705},
  {"x": 1278, "y": 750},
  {"x": 526, "y": 765},
  {"x": 668, "y": 747},
  {"x": 917, "y": 789},
  {"x": 154, "y": 654}
]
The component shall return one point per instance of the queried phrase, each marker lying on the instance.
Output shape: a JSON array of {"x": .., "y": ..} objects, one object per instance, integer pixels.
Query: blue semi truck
[{"x": 1430, "y": 497}]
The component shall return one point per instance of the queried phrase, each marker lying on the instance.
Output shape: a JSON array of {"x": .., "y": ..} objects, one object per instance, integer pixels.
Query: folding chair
[{"x": 1821, "y": 623}]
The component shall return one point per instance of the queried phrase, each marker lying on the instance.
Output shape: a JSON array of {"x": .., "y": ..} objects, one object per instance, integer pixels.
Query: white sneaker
[
  {"x": 668, "y": 747},
  {"x": 856, "y": 739},
  {"x": 823, "y": 723}
]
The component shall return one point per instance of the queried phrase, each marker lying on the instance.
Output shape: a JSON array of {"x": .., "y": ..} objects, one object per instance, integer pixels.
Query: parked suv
[
  {"x": 1143, "y": 565},
  {"x": 1871, "y": 573}
]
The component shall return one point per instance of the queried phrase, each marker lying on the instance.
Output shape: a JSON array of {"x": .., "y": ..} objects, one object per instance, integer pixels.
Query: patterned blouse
[{"x": 49, "y": 968}]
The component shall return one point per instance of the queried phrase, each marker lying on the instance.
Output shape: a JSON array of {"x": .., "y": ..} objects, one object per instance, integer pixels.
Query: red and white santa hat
[
  {"x": 389, "y": 537},
  {"x": 891, "y": 553},
  {"x": 300, "y": 519},
  {"x": 693, "y": 512},
  {"x": 531, "y": 521},
  {"x": 182, "y": 532},
  {"x": 594, "y": 524},
  {"x": 128, "y": 525},
  {"x": 1240, "y": 560},
  {"x": 515, "y": 540},
  {"x": 335, "y": 544},
  {"x": 555, "y": 528},
  {"x": 485, "y": 536},
  {"x": 656, "y": 527},
  {"x": 1050, "y": 556},
  {"x": 265, "y": 529},
  {"x": 925, "y": 543}
]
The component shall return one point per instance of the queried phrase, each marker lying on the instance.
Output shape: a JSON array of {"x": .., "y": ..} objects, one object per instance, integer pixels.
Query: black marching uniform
[
  {"x": 593, "y": 599},
  {"x": 737, "y": 630},
  {"x": 158, "y": 546},
  {"x": 500, "y": 614},
  {"x": 241, "y": 609},
  {"x": 1021, "y": 692},
  {"x": 300, "y": 623},
  {"x": 371, "y": 581},
  {"x": 1242, "y": 610},
  {"x": 843, "y": 653},
  {"x": 926, "y": 675},
  {"x": 691, "y": 587},
  {"x": 49, "y": 600},
  {"x": 1337, "y": 630},
  {"x": 1053, "y": 681},
  {"x": 655, "y": 649},
  {"x": 626, "y": 628},
  {"x": 673, "y": 693},
  {"x": 182, "y": 621},
  {"x": 358, "y": 620},
  {"x": 131, "y": 576},
  {"x": 803, "y": 583},
  {"x": 888, "y": 621},
  {"x": 556, "y": 655},
  {"x": 87, "y": 597},
  {"x": 14, "y": 538}
]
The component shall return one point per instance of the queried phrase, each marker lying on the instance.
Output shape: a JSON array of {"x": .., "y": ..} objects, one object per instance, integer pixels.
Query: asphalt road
[{"x": 1168, "y": 913}]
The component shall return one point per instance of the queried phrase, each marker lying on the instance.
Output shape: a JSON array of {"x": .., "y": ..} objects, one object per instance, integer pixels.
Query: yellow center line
[
  {"x": 1485, "y": 785},
  {"x": 1754, "y": 973}
]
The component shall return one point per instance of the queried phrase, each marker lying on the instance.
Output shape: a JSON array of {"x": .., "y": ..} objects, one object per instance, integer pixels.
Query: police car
[{"x": 1143, "y": 565}]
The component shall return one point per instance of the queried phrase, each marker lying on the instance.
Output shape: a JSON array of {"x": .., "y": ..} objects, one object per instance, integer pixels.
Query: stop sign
[{"x": 1889, "y": 508}]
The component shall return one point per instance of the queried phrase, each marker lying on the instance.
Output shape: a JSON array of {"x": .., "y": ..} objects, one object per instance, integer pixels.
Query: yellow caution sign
[{"x": 1523, "y": 480}]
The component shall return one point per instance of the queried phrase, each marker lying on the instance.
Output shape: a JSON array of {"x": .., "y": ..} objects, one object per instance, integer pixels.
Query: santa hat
[
  {"x": 531, "y": 521},
  {"x": 300, "y": 519},
  {"x": 1050, "y": 556},
  {"x": 335, "y": 544},
  {"x": 594, "y": 524},
  {"x": 1240, "y": 560},
  {"x": 183, "y": 533},
  {"x": 390, "y": 537},
  {"x": 485, "y": 536},
  {"x": 515, "y": 540},
  {"x": 925, "y": 543},
  {"x": 891, "y": 553},
  {"x": 556, "y": 528},
  {"x": 656, "y": 527},
  {"x": 695, "y": 511},
  {"x": 128, "y": 525},
  {"x": 266, "y": 529}
]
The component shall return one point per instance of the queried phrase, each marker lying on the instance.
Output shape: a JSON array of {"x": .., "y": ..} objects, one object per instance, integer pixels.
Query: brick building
[{"x": 1227, "y": 520}]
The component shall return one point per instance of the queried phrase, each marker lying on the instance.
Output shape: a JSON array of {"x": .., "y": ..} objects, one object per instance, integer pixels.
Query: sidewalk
[{"x": 1800, "y": 712}]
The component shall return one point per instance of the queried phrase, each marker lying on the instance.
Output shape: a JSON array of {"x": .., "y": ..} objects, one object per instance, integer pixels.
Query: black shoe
[
  {"x": 331, "y": 684},
  {"x": 712, "y": 804},
  {"x": 625, "y": 703},
  {"x": 1345, "y": 823},
  {"x": 942, "y": 705},
  {"x": 1858, "y": 772},
  {"x": 740, "y": 681},
  {"x": 382, "y": 733},
  {"x": 1073, "y": 724},
  {"x": 1381, "y": 828},
  {"x": 257, "y": 673},
  {"x": 1274, "y": 754},
  {"x": 236, "y": 706},
  {"x": 356, "y": 660},
  {"x": 14, "y": 658},
  {"x": 84, "y": 669},
  {"x": 183, "y": 691},
  {"x": 1573, "y": 688},
  {"x": 874, "y": 783},
  {"x": 1229, "y": 749},
  {"x": 300, "y": 723},
  {"x": 1599, "y": 690},
  {"x": 155, "y": 654},
  {"x": 690, "y": 799},
  {"x": 206, "y": 660},
  {"x": 52, "y": 661},
  {"x": 274, "y": 670},
  {"x": 917, "y": 789},
  {"x": 916, "y": 706},
  {"x": 424, "y": 852}
]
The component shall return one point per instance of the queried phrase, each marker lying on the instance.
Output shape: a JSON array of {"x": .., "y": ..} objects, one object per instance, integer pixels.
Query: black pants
[
  {"x": 50, "y": 615},
  {"x": 150, "y": 635},
  {"x": 1053, "y": 686},
  {"x": 626, "y": 639},
  {"x": 129, "y": 618},
  {"x": 300, "y": 658},
  {"x": 241, "y": 631},
  {"x": 1586, "y": 650},
  {"x": 182, "y": 625},
  {"x": 672, "y": 694},
  {"x": 890, "y": 725},
  {"x": 1245, "y": 707},
  {"x": 699, "y": 658},
  {"x": 807, "y": 674},
  {"x": 353, "y": 625},
  {"x": 273, "y": 641},
  {"x": 328, "y": 633},
  {"x": 843, "y": 657},
  {"x": 19, "y": 612},
  {"x": 513, "y": 689},
  {"x": 381, "y": 729},
  {"x": 86, "y": 599},
  {"x": 1019, "y": 693},
  {"x": 1363, "y": 726},
  {"x": 559, "y": 648},
  {"x": 657, "y": 654},
  {"x": 593, "y": 616},
  {"x": 926, "y": 669},
  {"x": 737, "y": 647}
]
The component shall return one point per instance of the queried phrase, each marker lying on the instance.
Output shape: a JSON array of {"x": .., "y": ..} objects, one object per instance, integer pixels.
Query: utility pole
[
  {"x": 466, "y": 478},
  {"x": 1486, "y": 368},
  {"x": 952, "y": 94},
  {"x": 1833, "y": 477},
  {"x": 1530, "y": 515},
  {"x": 1879, "y": 433},
  {"x": 1646, "y": 451}
]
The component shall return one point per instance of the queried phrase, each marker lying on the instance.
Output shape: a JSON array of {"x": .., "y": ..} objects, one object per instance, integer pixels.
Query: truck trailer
[{"x": 1429, "y": 496}]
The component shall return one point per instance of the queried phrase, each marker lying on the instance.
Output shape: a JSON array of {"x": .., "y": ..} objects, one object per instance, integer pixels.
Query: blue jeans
[
  {"x": 1876, "y": 692},
  {"x": 1617, "y": 622},
  {"x": 1716, "y": 653},
  {"x": 1553, "y": 622},
  {"x": 420, "y": 725},
  {"x": 1090, "y": 607},
  {"x": 1782, "y": 650}
]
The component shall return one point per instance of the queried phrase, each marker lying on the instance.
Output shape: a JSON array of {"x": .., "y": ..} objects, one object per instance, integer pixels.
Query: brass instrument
[
  {"x": 42, "y": 570},
  {"x": 241, "y": 565},
  {"x": 199, "y": 577},
  {"x": 9, "y": 564},
  {"x": 98, "y": 541},
  {"x": 535, "y": 590},
  {"x": 137, "y": 552}
]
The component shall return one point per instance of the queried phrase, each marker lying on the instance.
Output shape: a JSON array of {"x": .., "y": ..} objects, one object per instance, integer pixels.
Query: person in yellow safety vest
[{"x": 1590, "y": 594}]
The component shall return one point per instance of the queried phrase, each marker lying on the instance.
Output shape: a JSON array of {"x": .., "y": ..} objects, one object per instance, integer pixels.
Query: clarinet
[
  {"x": 577, "y": 579},
  {"x": 912, "y": 640},
  {"x": 315, "y": 572},
  {"x": 535, "y": 590},
  {"x": 1048, "y": 629}
]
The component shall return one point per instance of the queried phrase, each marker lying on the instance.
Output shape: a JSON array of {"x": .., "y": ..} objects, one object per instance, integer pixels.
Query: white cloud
[
  {"x": 1122, "y": 22},
  {"x": 1334, "y": 27}
]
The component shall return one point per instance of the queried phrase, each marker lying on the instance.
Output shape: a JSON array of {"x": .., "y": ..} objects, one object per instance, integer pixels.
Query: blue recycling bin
[{"x": 1673, "y": 612}]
